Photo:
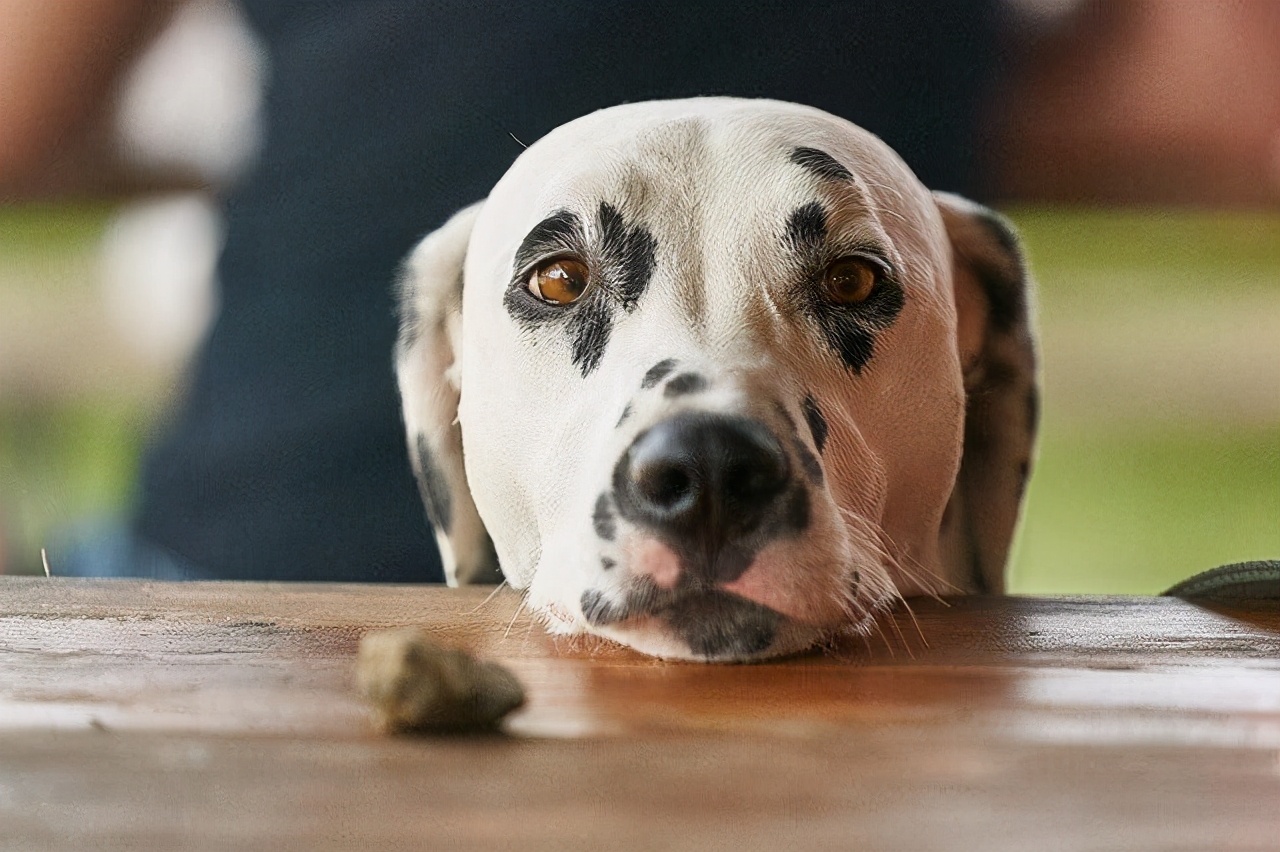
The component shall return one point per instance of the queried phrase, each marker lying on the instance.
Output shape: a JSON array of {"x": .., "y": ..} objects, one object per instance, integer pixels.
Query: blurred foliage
[
  {"x": 37, "y": 238},
  {"x": 1134, "y": 510},
  {"x": 1117, "y": 504},
  {"x": 1160, "y": 248},
  {"x": 60, "y": 464},
  {"x": 61, "y": 459},
  {"x": 1124, "y": 501}
]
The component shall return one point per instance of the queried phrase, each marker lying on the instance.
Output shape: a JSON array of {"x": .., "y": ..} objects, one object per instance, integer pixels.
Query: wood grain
[{"x": 223, "y": 715}]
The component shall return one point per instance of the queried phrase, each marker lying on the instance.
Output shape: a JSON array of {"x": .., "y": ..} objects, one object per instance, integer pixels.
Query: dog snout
[{"x": 701, "y": 480}]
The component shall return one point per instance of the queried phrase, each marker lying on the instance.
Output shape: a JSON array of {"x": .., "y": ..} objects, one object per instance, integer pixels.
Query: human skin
[{"x": 60, "y": 61}]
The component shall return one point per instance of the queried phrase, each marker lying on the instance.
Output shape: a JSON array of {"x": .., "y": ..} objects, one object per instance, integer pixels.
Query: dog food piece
[{"x": 416, "y": 685}]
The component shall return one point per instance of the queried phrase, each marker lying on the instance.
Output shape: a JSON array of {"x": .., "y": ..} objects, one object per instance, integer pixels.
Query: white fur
[{"x": 711, "y": 180}]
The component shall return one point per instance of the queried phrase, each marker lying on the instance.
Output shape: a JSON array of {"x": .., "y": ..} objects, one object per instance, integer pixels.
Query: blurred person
[
  {"x": 1141, "y": 101},
  {"x": 283, "y": 458}
]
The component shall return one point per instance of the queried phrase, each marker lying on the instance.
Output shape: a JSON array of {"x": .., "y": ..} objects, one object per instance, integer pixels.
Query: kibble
[{"x": 417, "y": 685}]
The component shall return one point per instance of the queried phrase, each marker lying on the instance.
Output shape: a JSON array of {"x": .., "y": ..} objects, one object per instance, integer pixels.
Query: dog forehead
[
  {"x": 658, "y": 129},
  {"x": 690, "y": 200},
  {"x": 653, "y": 157}
]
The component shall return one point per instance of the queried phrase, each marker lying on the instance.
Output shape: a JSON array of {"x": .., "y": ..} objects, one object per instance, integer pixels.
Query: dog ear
[
  {"x": 429, "y": 375},
  {"x": 998, "y": 360}
]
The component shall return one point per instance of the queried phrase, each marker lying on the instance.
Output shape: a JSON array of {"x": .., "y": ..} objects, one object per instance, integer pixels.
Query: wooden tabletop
[{"x": 149, "y": 716}]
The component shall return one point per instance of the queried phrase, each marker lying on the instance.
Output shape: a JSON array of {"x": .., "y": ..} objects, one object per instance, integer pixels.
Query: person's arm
[{"x": 59, "y": 63}]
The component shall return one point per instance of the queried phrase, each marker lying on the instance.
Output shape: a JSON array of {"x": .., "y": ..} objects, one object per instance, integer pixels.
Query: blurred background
[{"x": 1136, "y": 144}]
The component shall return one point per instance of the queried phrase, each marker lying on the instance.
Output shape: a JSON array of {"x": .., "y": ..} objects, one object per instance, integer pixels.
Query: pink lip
[
  {"x": 766, "y": 585},
  {"x": 653, "y": 559}
]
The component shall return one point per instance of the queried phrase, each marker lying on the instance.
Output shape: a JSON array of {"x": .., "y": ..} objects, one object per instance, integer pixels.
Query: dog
[{"x": 719, "y": 379}]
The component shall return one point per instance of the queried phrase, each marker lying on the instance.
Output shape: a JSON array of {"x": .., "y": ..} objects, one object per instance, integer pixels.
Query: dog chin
[{"x": 655, "y": 637}]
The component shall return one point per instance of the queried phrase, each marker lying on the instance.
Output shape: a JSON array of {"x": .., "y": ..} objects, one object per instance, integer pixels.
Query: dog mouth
[{"x": 713, "y": 623}]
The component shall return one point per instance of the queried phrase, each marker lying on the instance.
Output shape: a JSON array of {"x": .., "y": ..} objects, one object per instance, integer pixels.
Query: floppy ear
[
  {"x": 998, "y": 359},
  {"x": 429, "y": 375}
]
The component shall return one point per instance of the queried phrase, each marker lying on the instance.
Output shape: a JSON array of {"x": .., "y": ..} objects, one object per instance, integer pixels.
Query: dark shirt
[{"x": 285, "y": 458}]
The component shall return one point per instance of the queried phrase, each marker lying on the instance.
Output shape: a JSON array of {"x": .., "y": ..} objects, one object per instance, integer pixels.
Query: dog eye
[
  {"x": 851, "y": 280},
  {"x": 559, "y": 282}
]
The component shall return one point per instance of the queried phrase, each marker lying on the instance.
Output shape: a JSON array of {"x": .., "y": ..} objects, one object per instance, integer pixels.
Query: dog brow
[
  {"x": 820, "y": 163},
  {"x": 806, "y": 228},
  {"x": 561, "y": 231}
]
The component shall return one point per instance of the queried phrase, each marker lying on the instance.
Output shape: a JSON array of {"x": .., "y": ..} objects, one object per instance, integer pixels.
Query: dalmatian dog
[{"x": 719, "y": 379}]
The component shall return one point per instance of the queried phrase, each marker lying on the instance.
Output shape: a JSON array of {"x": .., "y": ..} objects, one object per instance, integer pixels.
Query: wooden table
[{"x": 149, "y": 716}]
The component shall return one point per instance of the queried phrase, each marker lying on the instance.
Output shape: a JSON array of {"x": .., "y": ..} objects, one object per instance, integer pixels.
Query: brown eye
[
  {"x": 559, "y": 282},
  {"x": 850, "y": 280}
]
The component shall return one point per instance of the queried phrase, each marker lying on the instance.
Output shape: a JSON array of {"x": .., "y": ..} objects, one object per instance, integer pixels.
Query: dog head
[{"x": 717, "y": 379}]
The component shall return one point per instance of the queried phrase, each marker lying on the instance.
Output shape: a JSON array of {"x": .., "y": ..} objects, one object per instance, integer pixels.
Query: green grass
[
  {"x": 1134, "y": 510},
  {"x": 1124, "y": 505},
  {"x": 40, "y": 234},
  {"x": 60, "y": 459},
  {"x": 61, "y": 464},
  {"x": 1183, "y": 245}
]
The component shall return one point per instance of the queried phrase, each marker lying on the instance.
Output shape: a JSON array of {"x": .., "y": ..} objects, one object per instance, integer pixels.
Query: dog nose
[{"x": 702, "y": 479}]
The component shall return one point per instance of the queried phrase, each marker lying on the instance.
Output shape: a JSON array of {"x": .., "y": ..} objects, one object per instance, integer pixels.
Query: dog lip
[
  {"x": 718, "y": 624},
  {"x": 715, "y": 624},
  {"x": 654, "y": 602}
]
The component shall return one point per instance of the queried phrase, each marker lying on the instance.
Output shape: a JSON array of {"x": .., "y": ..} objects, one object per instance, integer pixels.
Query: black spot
[
  {"x": 603, "y": 520},
  {"x": 798, "y": 511},
  {"x": 1024, "y": 473},
  {"x": 807, "y": 227},
  {"x": 817, "y": 423},
  {"x": 621, "y": 262},
  {"x": 657, "y": 373},
  {"x": 1003, "y": 278},
  {"x": 407, "y": 312},
  {"x": 626, "y": 413},
  {"x": 820, "y": 163},
  {"x": 812, "y": 467},
  {"x": 607, "y": 564},
  {"x": 559, "y": 232},
  {"x": 432, "y": 486},
  {"x": 717, "y": 624},
  {"x": 808, "y": 461},
  {"x": 1001, "y": 230},
  {"x": 851, "y": 329},
  {"x": 599, "y": 610},
  {"x": 684, "y": 383},
  {"x": 590, "y": 328},
  {"x": 1000, "y": 374},
  {"x": 713, "y": 623},
  {"x": 628, "y": 254}
]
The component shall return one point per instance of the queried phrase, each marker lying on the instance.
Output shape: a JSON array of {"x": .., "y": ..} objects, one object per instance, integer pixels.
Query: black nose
[{"x": 702, "y": 479}]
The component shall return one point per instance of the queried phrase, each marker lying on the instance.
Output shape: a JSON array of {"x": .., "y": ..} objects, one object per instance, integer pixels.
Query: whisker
[
  {"x": 952, "y": 587},
  {"x": 906, "y": 646},
  {"x": 914, "y": 621},
  {"x": 524, "y": 599},
  {"x": 528, "y": 631},
  {"x": 885, "y": 547},
  {"x": 875, "y": 622},
  {"x": 491, "y": 596}
]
